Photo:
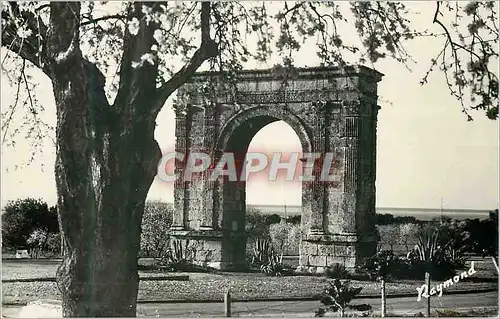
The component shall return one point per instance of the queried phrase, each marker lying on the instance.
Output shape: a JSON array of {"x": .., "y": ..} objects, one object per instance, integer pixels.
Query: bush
[
  {"x": 256, "y": 225},
  {"x": 156, "y": 222},
  {"x": 408, "y": 233},
  {"x": 272, "y": 219},
  {"x": 37, "y": 242},
  {"x": 294, "y": 219},
  {"x": 483, "y": 235},
  {"x": 389, "y": 219},
  {"x": 383, "y": 265},
  {"x": 389, "y": 235},
  {"x": 54, "y": 244},
  {"x": 286, "y": 237}
]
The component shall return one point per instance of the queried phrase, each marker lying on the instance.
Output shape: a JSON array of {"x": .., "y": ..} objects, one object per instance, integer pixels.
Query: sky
[{"x": 427, "y": 153}]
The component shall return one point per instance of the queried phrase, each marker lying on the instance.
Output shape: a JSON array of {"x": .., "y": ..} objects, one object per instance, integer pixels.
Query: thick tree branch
[
  {"x": 65, "y": 34},
  {"x": 32, "y": 47},
  {"x": 137, "y": 83},
  {"x": 208, "y": 49}
]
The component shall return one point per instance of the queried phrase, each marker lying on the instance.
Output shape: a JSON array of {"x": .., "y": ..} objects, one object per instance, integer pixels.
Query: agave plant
[
  {"x": 274, "y": 266},
  {"x": 262, "y": 252},
  {"x": 456, "y": 255},
  {"x": 338, "y": 296},
  {"x": 177, "y": 256},
  {"x": 428, "y": 248}
]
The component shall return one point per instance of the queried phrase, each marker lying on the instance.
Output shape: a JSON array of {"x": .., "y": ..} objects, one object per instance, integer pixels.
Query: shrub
[
  {"x": 389, "y": 219},
  {"x": 272, "y": 219},
  {"x": 156, "y": 222},
  {"x": 389, "y": 235},
  {"x": 383, "y": 265},
  {"x": 286, "y": 237},
  {"x": 279, "y": 235},
  {"x": 408, "y": 234},
  {"x": 483, "y": 235},
  {"x": 294, "y": 237},
  {"x": 54, "y": 244},
  {"x": 256, "y": 225},
  {"x": 337, "y": 298},
  {"x": 37, "y": 242},
  {"x": 294, "y": 219}
]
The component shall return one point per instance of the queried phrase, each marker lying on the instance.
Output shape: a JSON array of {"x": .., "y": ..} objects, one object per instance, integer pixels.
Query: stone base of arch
[
  {"x": 222, "y": 250},
  {"x": 321, "y": 251}
]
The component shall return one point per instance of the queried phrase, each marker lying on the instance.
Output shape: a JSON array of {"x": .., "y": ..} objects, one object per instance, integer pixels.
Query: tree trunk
[
  {"x": 103, "y": 174},
  {"x": 106, "y": 161}
]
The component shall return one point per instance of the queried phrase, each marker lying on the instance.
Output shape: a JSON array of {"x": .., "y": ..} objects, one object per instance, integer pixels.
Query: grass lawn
[{"x": 211, "y": 286}]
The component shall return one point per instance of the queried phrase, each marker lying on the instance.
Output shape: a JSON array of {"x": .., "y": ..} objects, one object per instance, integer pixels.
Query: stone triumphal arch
[{"x": 330, "y": 110}]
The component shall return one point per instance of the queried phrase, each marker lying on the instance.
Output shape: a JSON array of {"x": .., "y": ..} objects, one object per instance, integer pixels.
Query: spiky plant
[
  {"x": 262, "y": 252},
  {"x": 428, "y": 248},
  {"x": 338, "y": 296}
]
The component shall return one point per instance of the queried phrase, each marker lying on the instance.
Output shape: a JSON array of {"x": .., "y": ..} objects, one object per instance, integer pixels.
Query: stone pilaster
[
  {"x": 317, "y": 187},
  {"x": 210, "y": 143},
  {"x": 181, "y": 139},
  {"x": 196, "y": 184},
  {"x": 351, "y": 162}
]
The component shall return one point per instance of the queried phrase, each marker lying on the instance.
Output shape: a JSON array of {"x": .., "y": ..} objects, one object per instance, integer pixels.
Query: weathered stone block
[
  {"x": 326, "y": 250},
  {"x": 318, "y": 261},
  {"x": 333, "y": 260},
  {"x": 308, "y": 248},
  {"x": 212, "y": 245},
  {"x": 213, "y": 255},
  {"x": 350, "y": 262},
  {"x": 340, "y": 250}
]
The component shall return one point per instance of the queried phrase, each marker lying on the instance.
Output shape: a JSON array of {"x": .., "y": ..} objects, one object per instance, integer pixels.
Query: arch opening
[{"x": 252, "y": 135}]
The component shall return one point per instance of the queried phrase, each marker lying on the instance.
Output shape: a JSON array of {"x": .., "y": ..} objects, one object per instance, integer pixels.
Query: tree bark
[
  {"x": 105, "y": 166},
  {"x": 106, "y": 161}
]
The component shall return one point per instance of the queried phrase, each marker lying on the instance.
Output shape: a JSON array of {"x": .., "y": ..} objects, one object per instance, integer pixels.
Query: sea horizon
[{"x": 418, "y": 213}]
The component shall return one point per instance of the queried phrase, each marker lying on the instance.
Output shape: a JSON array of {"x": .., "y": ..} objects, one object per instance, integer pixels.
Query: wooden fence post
[
  {"x": 428, "y": 283},
  {"x": 227, "y": 304},
  {"x": 382, "y": 309}
]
